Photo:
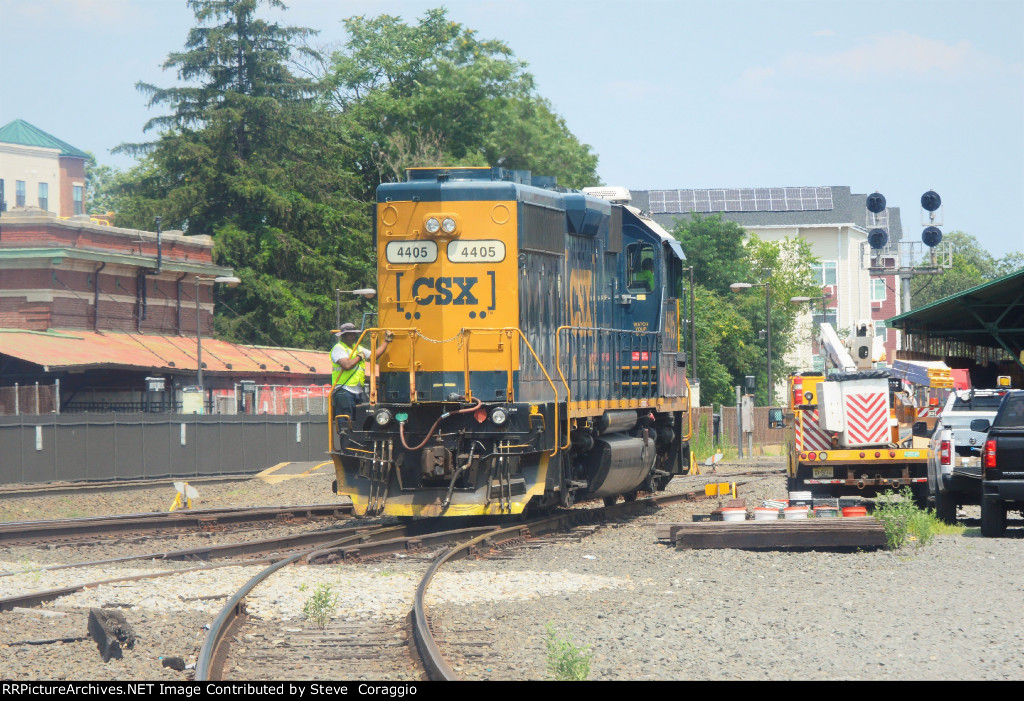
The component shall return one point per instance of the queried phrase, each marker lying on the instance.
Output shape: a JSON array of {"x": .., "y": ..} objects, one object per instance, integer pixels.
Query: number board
[
  {"x": 412, "y": 252},
  {"x": 480, "y": 251}
]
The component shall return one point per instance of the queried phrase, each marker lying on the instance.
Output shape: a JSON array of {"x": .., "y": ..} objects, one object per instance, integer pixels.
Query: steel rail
[
  {"x": 21, "y": 531},
  {"x": 437, "y": 667},
  {"x": 213, "y": 652}
]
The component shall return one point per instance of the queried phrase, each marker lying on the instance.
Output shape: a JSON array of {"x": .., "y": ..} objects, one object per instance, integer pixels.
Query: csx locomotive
[{"x": 536, "y": 358}]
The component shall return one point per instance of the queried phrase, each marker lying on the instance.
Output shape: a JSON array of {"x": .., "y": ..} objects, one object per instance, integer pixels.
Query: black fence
[{"x": 59, "y": 448}]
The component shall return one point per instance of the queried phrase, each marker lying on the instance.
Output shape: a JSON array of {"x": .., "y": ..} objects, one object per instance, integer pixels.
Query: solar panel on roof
[{"x": 775, "y": 199}]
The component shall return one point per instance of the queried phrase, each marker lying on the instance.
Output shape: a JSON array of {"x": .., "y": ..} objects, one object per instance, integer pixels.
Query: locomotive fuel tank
[{"x": 618, "y": 464}]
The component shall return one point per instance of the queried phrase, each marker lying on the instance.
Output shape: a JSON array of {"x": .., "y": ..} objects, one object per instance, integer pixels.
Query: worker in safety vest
[
  {"x": 348, "y": 370},
  {"x": 645, "y": 276}
]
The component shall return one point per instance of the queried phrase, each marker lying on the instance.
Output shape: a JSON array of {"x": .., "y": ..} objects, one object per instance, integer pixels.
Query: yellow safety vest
[{"x": 353, "y": 377}]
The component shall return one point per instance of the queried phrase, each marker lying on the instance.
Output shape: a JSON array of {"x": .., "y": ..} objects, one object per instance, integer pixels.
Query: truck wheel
[
  {"x": 993, "y": 517},
  {"x": 945, "y": 508},
  {"x": 920, "y": 493}
]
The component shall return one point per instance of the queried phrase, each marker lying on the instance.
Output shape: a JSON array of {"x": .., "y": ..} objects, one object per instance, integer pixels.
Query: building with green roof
[{"x": 39, "y": 170}]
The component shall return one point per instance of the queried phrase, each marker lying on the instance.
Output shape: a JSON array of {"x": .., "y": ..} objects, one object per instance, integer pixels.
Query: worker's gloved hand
[{"x": 389, "y": 336}]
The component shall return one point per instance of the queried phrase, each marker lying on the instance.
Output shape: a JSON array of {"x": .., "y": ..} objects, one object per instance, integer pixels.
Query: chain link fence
[{"x": 30, "y": 399}]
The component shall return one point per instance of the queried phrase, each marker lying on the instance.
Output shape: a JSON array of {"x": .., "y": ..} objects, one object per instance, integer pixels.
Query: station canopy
[{"x": 984, "y": 322}]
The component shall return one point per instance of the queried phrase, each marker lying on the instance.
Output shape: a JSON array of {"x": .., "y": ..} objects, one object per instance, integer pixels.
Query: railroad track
[
  {"x": 395, "y": 644},
  {"x": 79, "y": 531},
  {"x": 366, "y": 642}
]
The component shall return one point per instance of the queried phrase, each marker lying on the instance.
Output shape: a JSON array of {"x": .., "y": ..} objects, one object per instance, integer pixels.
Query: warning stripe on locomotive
[
  {"x": 809, "y": 435},
  {"x": 867, "y": 418}
]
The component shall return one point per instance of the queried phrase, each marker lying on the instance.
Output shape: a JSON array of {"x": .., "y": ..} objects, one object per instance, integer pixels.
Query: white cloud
[{"x": 895, "y": 55}]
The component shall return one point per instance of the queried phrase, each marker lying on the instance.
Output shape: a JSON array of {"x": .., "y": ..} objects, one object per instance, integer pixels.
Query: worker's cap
[{"x": 346, "y": 329}]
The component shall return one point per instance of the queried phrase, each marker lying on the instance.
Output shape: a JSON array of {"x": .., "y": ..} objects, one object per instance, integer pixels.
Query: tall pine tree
[{"x": 248, "y": 155}]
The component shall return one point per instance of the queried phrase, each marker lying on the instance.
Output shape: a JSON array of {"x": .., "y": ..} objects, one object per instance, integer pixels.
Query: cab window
[{"x": 640, "y": 260}]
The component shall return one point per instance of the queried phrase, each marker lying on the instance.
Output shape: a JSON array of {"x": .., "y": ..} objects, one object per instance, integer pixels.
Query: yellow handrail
[{"x": 463, "y": 336}]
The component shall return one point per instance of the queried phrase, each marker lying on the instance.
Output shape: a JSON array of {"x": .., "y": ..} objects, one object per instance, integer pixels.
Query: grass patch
[
  {"x": 566, "y": 661},
  {"x": 905, "y": 522},
  {"x": 320, "y": 607}
]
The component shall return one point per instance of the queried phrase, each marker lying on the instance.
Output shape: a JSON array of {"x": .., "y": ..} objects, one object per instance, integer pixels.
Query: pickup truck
[
  {"x": 964, "y": 406},
  {"x": 1002, "y": 463},
  {"x": 954, "y": 454}
]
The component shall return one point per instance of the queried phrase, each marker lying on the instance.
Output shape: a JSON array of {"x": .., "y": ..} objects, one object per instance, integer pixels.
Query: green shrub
[
  {"x": 321, "y": 606},
  {"x": 566, "y": 661},
  {"x": 904, "y": 520}
]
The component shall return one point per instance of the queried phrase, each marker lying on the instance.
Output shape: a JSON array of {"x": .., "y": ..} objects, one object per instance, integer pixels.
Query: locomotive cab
[{"x": 536, "y": 355}]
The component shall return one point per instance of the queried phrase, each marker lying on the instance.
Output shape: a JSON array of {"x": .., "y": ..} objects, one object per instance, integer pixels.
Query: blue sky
[{"x": 898, "y": 96}]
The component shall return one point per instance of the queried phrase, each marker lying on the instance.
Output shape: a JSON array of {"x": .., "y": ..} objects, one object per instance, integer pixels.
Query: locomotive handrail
[
  {"x": 464, "y": 335},
  {"x": 607, "y": 331}
]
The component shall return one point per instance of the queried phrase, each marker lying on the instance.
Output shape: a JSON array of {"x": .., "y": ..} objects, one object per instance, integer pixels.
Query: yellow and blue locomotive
[{"x": 536, "y": 357}]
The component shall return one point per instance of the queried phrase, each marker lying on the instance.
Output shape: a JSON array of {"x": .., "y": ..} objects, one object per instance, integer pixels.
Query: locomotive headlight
[
  {"x": 448, "y": 224},
  {"x": 382, "y": 417},
  {"x": 432, "y": 225},
  {"x": 499, "y": 416}
]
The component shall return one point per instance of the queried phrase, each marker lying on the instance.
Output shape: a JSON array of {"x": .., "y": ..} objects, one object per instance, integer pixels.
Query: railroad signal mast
[{"x": 906, "y": 258}]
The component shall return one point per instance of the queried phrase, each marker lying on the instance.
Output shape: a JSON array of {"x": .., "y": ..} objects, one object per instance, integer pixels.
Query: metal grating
[{"x": 747, "y": 199}]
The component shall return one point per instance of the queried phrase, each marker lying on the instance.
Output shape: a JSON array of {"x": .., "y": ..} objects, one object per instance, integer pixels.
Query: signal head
[
  {"x": 931, "y": 236},
  {"x": 876, "y": 203},
  {"x": 877, "y": 238},
  {"x": 931, "y": 200}
]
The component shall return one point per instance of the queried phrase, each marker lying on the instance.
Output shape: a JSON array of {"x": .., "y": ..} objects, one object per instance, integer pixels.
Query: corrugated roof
[
  {"x": 24, "y": 134},
  {"x": 84, "y": 350},
  {"x": 989, "y": 315}
]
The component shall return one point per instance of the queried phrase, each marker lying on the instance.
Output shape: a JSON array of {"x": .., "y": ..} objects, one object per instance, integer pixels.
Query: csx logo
[{"x": 446, "y": 290}]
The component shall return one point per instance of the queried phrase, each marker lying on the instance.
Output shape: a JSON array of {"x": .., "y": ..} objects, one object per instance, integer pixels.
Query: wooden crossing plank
[{"x": 775, "y": 535}]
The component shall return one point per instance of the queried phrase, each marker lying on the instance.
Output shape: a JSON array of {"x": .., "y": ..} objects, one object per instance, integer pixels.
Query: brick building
[{"x": 96, "y": 310}]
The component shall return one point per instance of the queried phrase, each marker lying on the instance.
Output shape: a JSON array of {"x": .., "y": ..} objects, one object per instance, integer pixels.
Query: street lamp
[
  {"x": 230, "y": 281},
  {"x": 366, "y": 292},
  {"x": 736, "y": 287}
]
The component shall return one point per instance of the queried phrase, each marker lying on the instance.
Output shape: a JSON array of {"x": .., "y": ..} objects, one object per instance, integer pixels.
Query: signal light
[
  {"x": 499, "y": 416},
  {"x": 877, "y": 238},
  {"x": 480, "y": 415},
  {"x": 945, "y": 457},
  {"x": 892, "y": 453},
  {"x": 876, "y": 203},
  {"x": 931, "y": 201},
  {"x": 931, "y": 236}
]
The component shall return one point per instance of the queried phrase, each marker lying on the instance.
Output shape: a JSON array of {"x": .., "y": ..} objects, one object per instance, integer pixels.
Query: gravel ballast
[{"x": 950, "y": 610}]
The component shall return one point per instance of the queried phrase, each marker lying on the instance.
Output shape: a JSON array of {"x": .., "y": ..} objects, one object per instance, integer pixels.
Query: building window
[
  {"x": 77, "y": 197},
  {"x": 19, "y": 193},
  {"x": 829, "y": 318},
  {"x": 881, "y": 331},
  {"x": 3, "y": 196},
  {"x": 44, "y": 196},
  {"x": 825, "y": 273},
  {"x": 878, "y": 289}
]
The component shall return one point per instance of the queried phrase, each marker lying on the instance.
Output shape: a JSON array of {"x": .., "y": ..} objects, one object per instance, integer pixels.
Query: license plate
[{"x": 822, "y": 472}]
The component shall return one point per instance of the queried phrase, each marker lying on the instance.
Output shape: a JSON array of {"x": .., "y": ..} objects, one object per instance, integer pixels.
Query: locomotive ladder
[{"x": 380, "y": 473}]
